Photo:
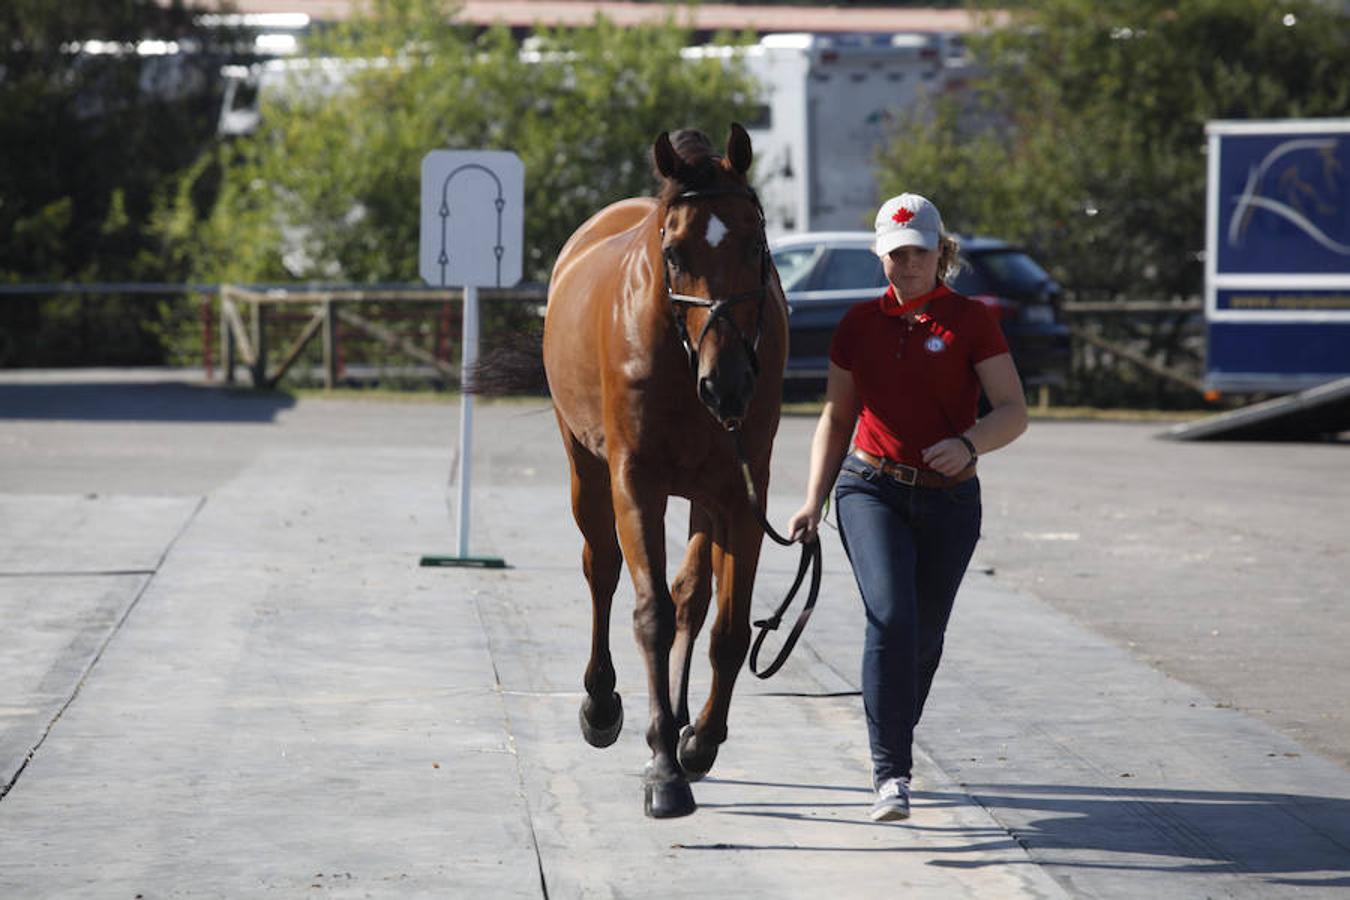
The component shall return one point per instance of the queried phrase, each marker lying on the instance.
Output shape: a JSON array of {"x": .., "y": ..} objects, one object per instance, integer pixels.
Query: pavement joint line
[
  {"x": 950, "y": 778},
  {"x": 1293, "y": 812},
  {"x": 821, "y": 660},
  {"x": 772, "y": 695},
  {"x": 807, "y": 695},
  {"x": 1154, "y": 816},
  {"x": 102, "y": 648},
  {"x": 98, "y": 573},
  {"x": 511, "y": 741}
]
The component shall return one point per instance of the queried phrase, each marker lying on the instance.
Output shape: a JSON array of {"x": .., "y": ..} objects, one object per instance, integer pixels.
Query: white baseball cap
[{"x": 907, "y": 220}]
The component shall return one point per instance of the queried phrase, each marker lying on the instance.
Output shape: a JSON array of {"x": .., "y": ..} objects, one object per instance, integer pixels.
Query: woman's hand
[
  {"x": 949, "y": 456},
  {"x": 804, "y": 525}
]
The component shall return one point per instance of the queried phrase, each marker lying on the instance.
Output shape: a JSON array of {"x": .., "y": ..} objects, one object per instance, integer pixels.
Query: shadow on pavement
[
  {"x": 139, "y": 402},
  {"x": 1208, "y": 831},
  {"x": 1294, "y": 840}
]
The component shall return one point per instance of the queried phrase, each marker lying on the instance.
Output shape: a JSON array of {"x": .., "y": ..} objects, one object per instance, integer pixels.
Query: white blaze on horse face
[{"x": 716, "y": 230}]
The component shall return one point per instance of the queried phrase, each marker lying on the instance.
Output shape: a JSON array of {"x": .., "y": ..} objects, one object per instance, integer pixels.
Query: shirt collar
[{"x": 891, "y": 305}]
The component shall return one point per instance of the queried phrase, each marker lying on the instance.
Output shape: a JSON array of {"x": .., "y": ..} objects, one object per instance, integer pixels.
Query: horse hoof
[
  {"x": 667, "y": 799},
  {"x": 601, "y": 735},
  {"x": 695, "y": 767}
]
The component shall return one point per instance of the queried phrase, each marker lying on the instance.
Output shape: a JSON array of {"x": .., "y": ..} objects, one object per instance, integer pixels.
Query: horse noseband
[{"x": 719, "y": 309}]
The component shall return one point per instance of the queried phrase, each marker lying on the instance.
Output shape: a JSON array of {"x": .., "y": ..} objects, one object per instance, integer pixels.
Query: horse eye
[{"x": 672, "y": 255}]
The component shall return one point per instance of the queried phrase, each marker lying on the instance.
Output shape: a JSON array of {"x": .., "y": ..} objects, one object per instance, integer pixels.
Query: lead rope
[{"x": 810, "y": 557}]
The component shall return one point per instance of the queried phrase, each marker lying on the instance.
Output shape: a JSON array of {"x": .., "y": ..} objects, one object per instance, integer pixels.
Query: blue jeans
[{"x": 909, "y": 547}]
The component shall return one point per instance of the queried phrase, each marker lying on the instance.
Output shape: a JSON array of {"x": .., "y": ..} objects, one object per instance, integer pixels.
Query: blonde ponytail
[{"x": 949, "y": 257}]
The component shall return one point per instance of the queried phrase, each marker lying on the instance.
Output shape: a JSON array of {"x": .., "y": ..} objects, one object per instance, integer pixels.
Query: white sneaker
[{"x": 892, "y": 801}]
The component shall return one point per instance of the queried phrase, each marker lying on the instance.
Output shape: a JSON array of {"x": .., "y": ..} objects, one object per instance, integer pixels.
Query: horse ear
[
  {"x": 738, "y": 148},
  {"x": 664, "y": 155}
]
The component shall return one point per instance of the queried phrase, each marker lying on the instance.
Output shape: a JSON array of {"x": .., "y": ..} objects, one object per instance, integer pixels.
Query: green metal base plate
[{"x": 472, "y": 562}]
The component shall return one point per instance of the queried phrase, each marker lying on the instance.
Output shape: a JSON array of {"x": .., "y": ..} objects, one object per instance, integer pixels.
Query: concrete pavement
[{"x": 229, "y": 678}]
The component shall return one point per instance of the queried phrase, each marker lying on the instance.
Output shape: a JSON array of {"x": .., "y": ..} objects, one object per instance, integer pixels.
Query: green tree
[
  {"x": 328, "y": 187},
  {"x": 1085, "y": 134},
  {"x": 91, "y": 130}
]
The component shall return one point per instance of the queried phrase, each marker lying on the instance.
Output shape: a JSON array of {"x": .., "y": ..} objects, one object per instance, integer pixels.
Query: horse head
[{"x": 716, "y": 261}]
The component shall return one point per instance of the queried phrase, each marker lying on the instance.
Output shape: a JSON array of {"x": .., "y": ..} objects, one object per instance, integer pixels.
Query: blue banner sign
[{"x": 1277, "y": 254}]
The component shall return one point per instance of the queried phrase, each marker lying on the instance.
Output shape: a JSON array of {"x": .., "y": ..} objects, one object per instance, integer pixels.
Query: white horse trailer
[{"x": 829, "y": 104}]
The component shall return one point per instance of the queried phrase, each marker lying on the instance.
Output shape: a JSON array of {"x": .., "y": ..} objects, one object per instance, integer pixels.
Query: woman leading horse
[{"x": 666, "y": 331}]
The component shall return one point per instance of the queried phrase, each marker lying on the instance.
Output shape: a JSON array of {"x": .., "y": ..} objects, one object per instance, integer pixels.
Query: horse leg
[
  {"x": 640, "y": 512},
  {"x": 735, "y": 557},
  {"x": 691, "y": 591},
  {"x": 602, "y": 711}
]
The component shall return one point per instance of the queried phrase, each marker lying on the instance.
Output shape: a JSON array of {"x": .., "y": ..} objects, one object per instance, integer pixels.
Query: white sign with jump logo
[
  {"x": 473, "y": 218},
  {"x": 472, "y": 235}
]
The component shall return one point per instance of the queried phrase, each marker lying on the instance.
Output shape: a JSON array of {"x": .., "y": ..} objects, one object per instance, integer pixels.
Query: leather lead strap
[{"x": 810, "y": 558}]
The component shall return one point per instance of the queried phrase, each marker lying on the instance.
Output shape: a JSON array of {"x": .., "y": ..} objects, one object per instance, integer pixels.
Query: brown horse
[{"x": 667, "y": 330}]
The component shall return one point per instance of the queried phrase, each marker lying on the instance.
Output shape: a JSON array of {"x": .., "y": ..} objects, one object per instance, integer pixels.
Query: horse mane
[{"x": 702, "y": 167}]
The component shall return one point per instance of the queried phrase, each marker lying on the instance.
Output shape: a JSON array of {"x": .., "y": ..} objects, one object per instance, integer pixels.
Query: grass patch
[
  {"x": 372, "y": 395},
  {"x": 1093, "y": 414},
  {"x": 795, "y": 408},
  {"x": 398, "y": 395},
  {"x": 1052, "y": 413}
]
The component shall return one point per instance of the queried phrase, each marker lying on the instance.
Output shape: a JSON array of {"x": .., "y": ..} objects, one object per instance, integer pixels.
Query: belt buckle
[{"x": 906, "y": 475}]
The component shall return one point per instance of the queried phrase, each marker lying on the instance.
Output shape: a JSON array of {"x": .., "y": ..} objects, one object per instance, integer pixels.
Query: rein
[
  {"x": 810, "y": 557},
  {"x": 719, "y": 309}
]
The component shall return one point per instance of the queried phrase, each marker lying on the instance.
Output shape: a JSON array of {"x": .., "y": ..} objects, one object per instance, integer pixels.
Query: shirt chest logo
[{"x": 937, "y": 340}]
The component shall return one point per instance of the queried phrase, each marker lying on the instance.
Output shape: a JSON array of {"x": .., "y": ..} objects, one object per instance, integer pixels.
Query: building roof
[{"x": 703, "y": 17}]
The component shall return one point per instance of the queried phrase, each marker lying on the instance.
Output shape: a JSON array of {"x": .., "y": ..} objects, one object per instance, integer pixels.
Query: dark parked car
[{"x": 826, "y": 272}]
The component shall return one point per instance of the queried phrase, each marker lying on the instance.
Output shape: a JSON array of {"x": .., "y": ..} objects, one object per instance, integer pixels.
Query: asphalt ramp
[{"x": 1314, "y": 414}]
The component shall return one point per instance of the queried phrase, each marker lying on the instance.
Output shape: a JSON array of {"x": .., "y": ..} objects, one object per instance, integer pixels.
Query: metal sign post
[
  {"x": 468, "y": 355},
  {"x": 473, "y": 222}
]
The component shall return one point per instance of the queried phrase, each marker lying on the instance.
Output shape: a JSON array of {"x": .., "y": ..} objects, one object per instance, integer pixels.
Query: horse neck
[{"x": 644, "y": 263}]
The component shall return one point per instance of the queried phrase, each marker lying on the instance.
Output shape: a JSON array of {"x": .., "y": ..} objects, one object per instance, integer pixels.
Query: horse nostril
[{"x": 727, "y": 404}]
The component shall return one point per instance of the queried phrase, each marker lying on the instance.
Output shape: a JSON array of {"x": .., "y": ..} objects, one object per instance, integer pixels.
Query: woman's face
[{"x": 913, "y": 270}]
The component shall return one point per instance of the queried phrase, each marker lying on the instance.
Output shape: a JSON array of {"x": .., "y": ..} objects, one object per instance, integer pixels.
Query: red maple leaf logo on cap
[{"x": 902, "y": 215}]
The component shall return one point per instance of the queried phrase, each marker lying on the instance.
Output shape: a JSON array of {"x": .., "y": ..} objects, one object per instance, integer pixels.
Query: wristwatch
[{"x": 969, "y": 446}]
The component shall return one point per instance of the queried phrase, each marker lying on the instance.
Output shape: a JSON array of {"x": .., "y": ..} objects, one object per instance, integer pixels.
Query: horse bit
[{"x": 719, "y": 309}]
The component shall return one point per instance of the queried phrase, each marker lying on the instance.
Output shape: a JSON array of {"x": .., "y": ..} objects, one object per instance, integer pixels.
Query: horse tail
[{"x": 512, "y": 365}]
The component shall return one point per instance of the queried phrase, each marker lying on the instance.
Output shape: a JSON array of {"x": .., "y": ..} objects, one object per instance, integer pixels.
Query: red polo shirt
[{"x": 917, "y": 382}]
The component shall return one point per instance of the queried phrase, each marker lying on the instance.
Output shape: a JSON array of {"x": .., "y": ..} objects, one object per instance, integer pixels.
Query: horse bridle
[{"x": 719, "y": 309}]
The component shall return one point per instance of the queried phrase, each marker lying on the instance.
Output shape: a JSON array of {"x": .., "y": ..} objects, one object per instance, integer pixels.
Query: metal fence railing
[
  {"x": 327, "y": 334},
  {"x": 359, "y": 328},
  {"x": 1124, "y": 352},
  {"x": 1150, "y": 352}
]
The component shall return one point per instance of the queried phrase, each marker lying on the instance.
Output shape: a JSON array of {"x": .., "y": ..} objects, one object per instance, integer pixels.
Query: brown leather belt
[{"x": 925, "y": 478}]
